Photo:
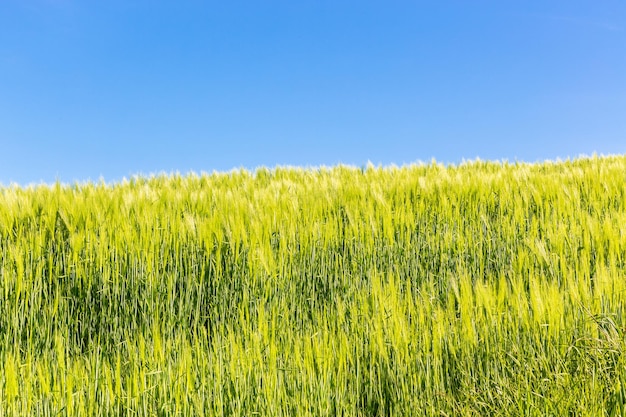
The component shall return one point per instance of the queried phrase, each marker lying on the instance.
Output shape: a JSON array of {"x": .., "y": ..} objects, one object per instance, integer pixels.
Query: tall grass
[{"x": 478, "y": 289}]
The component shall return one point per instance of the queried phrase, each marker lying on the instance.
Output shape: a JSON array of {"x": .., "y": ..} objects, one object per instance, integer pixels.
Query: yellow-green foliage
[{"x": 479, "y": 289}]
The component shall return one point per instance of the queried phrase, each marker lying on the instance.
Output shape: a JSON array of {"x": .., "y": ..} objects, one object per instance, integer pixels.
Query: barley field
[{"x": 479, "y": 289}]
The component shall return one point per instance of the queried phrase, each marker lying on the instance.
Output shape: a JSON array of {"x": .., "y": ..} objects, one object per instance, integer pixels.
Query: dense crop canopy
[{"x": 478, "y": 289}]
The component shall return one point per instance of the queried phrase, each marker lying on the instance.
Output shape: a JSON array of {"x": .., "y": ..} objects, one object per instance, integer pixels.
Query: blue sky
[{"x": 109, "y": 89}]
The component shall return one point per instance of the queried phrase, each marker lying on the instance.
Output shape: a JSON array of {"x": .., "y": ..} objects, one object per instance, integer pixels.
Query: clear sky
[{"x": 109, "y": 89}]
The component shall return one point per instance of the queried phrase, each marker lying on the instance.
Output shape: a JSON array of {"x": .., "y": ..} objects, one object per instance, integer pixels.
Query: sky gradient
[{"x": 94, "y": 90}]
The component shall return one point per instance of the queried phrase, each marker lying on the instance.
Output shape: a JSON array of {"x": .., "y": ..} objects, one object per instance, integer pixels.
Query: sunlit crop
[{"x": 478, "y": 289}]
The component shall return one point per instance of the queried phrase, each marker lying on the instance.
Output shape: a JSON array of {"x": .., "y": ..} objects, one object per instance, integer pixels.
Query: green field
[{"x": 471, "y": 290}]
